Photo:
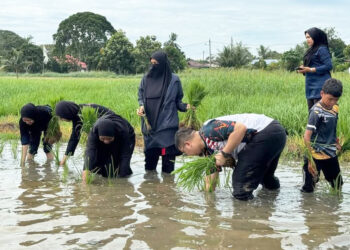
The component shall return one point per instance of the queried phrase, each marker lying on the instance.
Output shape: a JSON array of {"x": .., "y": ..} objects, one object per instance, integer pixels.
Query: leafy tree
[
  {"x": 16, "y": 62},
  {"x": 346, "y": 52},
  {"x": 8, "y": 41},
  {"x": 144, "y": 48},
  {"x": 10, "y": 46},
  {"x": 234, "y": 56},
  {"x": 291, "y": 59},
  {"x": 176, "y": 56},
  {"x": 336, "y": 44},
  {"x": 118, "y": 56},
  {"x": 33, "y": 55},
  {"x": 82, "y": 35},
  {"x": 263, "y": 52}
]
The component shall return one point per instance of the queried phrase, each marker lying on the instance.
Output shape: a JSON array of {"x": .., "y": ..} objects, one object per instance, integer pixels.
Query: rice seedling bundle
[
  {"x": 191, "y": 175},
  {"x": 88, "y": 117},
  {"x": 53, "y": 132},
  {"x": 195, "y": 94}
]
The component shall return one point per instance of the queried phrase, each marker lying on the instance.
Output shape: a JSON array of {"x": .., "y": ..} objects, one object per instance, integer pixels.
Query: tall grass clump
[
  {"x": 88, "y": 117},
  {"x": 195, "y": 94}
]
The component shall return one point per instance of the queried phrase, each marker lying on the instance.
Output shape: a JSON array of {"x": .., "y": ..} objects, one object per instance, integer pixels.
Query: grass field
[{"x": 278, "y": 94}]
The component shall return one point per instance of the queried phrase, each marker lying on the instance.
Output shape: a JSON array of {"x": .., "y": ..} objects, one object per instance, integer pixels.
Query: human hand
[
  {"x": 312, "y": 169},
  {"x": 49, "y": 156},
  {"x": 220, "y": 159},
  {"x": 337, "y": 145},
  {"x": 140, "y": 111},
  {"x": 190, "y": 107},
  {"x": 306, "y": 69}
]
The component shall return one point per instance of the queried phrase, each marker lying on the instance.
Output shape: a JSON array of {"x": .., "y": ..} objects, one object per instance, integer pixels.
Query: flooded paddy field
[{"x": 44, "y": 206}]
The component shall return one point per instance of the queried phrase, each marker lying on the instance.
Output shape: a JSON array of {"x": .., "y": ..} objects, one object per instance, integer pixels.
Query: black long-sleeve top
[
  {"x": 120, "y": 149},
  {"x": 40, "y": 124},
  {"x": 77, "y": 125}
]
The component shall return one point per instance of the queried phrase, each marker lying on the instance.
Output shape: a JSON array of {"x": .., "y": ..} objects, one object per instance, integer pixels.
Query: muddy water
[{"x": 43, "y": 206}]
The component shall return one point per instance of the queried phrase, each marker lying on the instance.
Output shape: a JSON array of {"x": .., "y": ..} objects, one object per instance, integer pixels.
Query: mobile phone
[{"x": 298, "y": 68}]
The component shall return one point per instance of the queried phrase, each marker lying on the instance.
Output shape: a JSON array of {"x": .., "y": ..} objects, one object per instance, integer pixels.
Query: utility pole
[
  {"x": 203, "y": 55},
  {"x": 209, "y": 53}
]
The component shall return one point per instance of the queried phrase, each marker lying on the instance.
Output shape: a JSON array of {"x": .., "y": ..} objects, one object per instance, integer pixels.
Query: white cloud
[{"x": 277, "y": 24}]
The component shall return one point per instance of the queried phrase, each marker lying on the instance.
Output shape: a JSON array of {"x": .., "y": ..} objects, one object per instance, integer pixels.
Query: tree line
[{"x": 88, "y": 41}]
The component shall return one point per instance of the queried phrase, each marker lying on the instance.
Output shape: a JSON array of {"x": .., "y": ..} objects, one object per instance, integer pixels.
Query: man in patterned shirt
[
  {"x": 321, "y": 138},
  {"x": 255, "y": 141}
]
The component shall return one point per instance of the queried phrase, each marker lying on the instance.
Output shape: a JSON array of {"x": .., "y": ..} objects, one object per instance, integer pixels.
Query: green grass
[{"x": 278, "y": 94}]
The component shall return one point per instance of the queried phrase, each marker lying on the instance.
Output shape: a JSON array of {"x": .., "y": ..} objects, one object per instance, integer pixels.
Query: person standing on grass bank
[
  {"x": 160, "y": 97},
  {"x": 317, "y": 64},
  {"x": 321, "y": 138},
  {"x": 33, "y": 122},
  {"x": 254, "y": 140},
  {"x": 70, "y": 112},
  {"x": 109, "y": 147}
]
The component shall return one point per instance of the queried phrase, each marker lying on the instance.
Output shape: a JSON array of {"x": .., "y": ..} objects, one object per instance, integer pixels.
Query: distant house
[
  {"x": 267, "y": 61},
  {"x": 198, "y": 65},
  {"x": 195, "y": 64}
]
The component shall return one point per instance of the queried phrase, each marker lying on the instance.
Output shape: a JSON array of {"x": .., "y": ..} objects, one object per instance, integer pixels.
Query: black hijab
[
  {"x": 67, "y": 110},
  {"x": 29, "y": 111},
  {"x": 320, "y": 39},
  {"x": 156, "y": 85},
  {"x": 105, "y": 127}
]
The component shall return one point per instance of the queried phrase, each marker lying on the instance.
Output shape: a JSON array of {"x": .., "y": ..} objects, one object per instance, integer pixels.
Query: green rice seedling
[
  {"x": 191, "y": 175},
  {"x": 195, "y": 95},
  {"x": 56, "y": 153},
  {"x": 90, "y": 177},
  {"x": 89, "y": 117},
  {"x": 147, "y": 124},
  {"x": 2, "y": 145},
  {"x": 14, "y": 146},
  {"x": 65, "y": 173},
  {"x": 344, "y": 147},
  {"x": 53, "y": 133},
  {"x": 78, "y": 176},
  {"x": 337, "y": 186},
  {"x": 112, "y": 172}
]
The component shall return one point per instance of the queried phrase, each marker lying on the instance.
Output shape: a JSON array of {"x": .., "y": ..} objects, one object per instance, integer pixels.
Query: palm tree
[{"x": 16, "y": 62}]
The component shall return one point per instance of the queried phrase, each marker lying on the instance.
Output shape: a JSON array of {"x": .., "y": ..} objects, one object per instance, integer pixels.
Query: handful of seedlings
[
  {"x": 193, "y": 173},
  {"x": 88, "y": 117},
  {"x": 53, "y": 132},
  {"x": 195, "y": 95}
]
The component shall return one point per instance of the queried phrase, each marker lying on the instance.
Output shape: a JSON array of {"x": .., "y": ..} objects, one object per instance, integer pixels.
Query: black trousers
[
  {"x": 168, "y": 158},
  {"x": 311, "y": 102},
  {"x": 331, "y": 172},
  {"x": 35, "y": 142},
  {"x": 258, "y": 161}
]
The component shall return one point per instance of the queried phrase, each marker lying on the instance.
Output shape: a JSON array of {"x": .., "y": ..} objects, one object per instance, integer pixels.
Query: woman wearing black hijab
[
  {"x": 70, "y": 111},
  {"x": 109, "y": 147},
  {"x": 317, "y": 64},
  {"x": 160, "y": 97},
  {"x": 34, "y": 120}
]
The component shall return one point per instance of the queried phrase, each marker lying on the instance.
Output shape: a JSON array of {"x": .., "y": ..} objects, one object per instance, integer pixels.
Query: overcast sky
[{"x": 278, "y": 24}]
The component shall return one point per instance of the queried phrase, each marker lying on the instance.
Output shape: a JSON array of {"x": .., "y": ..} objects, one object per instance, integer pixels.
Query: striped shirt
[{"x": 323, "y": 124}]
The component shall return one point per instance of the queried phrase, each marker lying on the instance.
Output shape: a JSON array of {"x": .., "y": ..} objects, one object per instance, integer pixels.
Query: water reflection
[{"x": 44, "y": 206}]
